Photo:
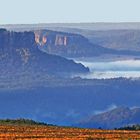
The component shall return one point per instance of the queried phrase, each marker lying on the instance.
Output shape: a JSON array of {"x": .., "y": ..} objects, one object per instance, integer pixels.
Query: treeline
[
  {"x": 21, "y": 121},
  {"x": 131, "y": 127}
]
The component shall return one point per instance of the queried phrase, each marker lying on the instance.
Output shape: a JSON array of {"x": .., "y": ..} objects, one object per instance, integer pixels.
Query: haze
[{"x": 66, "y": 11}]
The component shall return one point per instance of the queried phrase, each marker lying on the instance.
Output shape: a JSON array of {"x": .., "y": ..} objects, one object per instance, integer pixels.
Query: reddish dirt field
[{"x": 9, "y": 132}]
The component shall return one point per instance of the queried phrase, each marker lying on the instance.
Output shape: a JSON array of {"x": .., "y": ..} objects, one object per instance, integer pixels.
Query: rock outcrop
[{"x": 66, "y": 44}]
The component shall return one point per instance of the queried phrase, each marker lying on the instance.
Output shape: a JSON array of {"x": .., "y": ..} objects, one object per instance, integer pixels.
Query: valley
[
  {"x": 69, "y": 70},
  {"x": 65, "y": 75}
]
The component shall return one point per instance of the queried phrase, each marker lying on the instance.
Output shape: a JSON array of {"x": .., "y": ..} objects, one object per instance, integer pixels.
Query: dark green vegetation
[
  {"x": 130, "y": 127},
  {"x": 21, "y": 122}
]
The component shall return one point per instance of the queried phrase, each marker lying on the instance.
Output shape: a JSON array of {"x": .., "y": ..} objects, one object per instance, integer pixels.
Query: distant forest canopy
[{"x": 21, "y": 121}]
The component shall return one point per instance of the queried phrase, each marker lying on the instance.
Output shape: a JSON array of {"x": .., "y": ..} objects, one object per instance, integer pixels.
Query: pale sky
[{"x": 63, "y": 11}]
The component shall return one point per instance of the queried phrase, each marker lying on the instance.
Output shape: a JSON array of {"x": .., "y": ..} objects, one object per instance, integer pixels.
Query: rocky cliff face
[
  {"x": 15, "y": 40},
  {"x": 66, "y": 44},
  {"x": 19, "y": 52}
]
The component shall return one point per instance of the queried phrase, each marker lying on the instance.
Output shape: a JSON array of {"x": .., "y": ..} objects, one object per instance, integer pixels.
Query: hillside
[
  {"x": 19, "y": 53},
  {"x": 71, "y": 43},
  {"x": 123, "y": 40},
  {"x": 115, "y": 39},
  {"x": 19, "y": 122},
  {"x": 40, "y": 132},
  {"x": 115, "y": 118},
  {"x": 65, "y": 103},
  {"x": 67, "y": 44},
  {"x": 86, "y": 40}
]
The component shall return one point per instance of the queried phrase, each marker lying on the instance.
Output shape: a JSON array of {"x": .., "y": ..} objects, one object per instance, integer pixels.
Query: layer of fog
[
  {"x": 109, "y": 108},
  {"x": 115, "y": 69}
]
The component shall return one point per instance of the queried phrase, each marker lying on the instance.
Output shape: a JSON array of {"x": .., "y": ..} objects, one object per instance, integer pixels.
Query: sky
[{"x": 68, "y": 11}]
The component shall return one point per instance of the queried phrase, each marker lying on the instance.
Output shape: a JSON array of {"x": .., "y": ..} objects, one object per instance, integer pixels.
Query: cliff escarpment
[
  {"x": 19, "y": 52},
  {"x": 67, "y": 44}
]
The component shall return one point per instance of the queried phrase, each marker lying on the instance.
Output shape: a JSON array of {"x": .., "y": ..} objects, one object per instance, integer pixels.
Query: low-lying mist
[{"x": 114, "y": 69}]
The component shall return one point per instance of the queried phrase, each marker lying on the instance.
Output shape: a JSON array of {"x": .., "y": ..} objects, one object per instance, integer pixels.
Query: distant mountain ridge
[
  {"x": 88, "y": 39},
  {"x": 119, "y": 117},
  {"x": 88, "y": 26},
  {"x": 119, "y": 42},
  {"x": 67, "y": 44},
  {"x": 115, "y": 39}
]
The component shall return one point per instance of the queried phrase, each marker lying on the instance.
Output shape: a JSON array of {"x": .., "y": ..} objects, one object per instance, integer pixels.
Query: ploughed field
[{"x": 35, "y": 132}]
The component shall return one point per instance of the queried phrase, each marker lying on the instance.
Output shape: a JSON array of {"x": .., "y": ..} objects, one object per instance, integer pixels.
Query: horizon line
[{"x": 121, "y": 22}]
